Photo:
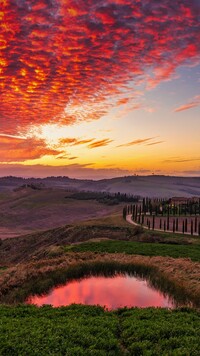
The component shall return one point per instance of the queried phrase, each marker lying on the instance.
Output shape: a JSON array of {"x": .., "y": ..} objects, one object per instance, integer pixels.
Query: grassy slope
[
  {"x": 86, "y": 330},
  {"x": 136, "y": 248}
]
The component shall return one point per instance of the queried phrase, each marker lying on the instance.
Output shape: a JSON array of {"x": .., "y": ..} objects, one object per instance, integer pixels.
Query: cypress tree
[
  {"x": 185, "y": 225},
  {"x": 168, "y": 223},
  {"x": 191, "y": 227},
  {"x": 183, "y": 228},
  {"x": 153, "y": 227},
  {"x": 195, "y": 210},
  {"x": 150, "y": 208},
  {"x": 140, "y": 210},
  {"x": 136, "y": 213},
  {"x": 124, "y": 213},
  {"x": 143, "y": 205},
  {"x": 177, "y": 224},
  {"x": 195, "y": 225},
  {"x": 133, "y": 213},
  {"x": 173, "y": 225}
]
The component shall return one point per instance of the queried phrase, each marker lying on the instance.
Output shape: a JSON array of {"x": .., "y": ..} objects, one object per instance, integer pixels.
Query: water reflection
[{"x": 110, "y": 292}]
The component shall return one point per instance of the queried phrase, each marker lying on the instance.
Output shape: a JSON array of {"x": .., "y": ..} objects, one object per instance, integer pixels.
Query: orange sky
[{"x": 99, "y": 89}]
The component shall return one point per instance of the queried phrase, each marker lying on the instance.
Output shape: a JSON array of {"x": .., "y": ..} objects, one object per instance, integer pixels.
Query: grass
[
  {"x": 139, "y": 248},
  {"x": 111, "y": 220},
  {"x": 2, "y": 268},
  {"x": 88, "y": 330}
]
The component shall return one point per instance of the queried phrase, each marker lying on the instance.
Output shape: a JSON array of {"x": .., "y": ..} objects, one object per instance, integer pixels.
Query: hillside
[
  {"x": 26, "y": 210},
  {"x": 151, "y": 186}
]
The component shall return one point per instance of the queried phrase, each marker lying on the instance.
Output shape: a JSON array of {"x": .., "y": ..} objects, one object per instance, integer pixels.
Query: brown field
[{"x": 27, "y": 211}]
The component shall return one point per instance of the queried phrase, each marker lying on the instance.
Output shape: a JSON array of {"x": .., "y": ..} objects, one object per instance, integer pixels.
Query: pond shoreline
[{"x": 181, "y": 274}]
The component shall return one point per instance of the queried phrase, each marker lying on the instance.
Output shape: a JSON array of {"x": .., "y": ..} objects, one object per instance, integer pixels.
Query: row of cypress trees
[{"x": 188, "y": 225}]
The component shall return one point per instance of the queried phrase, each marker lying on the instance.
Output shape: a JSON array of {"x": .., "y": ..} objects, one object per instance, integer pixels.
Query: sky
[{"x": 98, "y": 89}]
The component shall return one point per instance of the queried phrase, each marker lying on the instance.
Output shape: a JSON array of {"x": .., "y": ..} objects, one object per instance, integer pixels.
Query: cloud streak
[
  {"x": 75, "y": 141},
  {"x": 137, "y": 142},
  {"x": 100, "y": 143},
  {"x": 155, "y": 143},
  {"x": 181, "y": 160},
  {"x": 191, "y": 104}
]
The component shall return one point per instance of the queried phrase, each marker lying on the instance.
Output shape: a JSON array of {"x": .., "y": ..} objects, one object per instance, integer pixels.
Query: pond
[{"x": 111, "y": 292}]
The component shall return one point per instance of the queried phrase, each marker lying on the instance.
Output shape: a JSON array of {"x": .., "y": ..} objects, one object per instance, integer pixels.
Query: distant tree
[
  {"x": 153, "y": 225},
  {"x": 185, "y": 225},
  {"x": 195, "y": 224},
  {"x": 191, "y": 227},
  {"x": 168, "y": 222},
  {"x": 177, "y": 224},
  {"x": 143, "y": 205},
  {"x": 173, "y": 225},
  {"x": 124, "y": 212}
]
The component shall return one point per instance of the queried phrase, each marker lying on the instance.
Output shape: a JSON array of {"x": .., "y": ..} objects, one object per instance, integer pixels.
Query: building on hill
[{"x": 178, "y": 201}]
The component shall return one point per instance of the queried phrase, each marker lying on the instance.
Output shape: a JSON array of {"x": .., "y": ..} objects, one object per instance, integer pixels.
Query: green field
[
  {"x": 88, "y": 330},
  {"x": 141, "y": 248}
]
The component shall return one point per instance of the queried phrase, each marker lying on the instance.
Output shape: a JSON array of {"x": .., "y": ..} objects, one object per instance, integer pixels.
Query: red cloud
[
  {"x": 55, "y": 59},
  {"x": 14, "y": 149}
]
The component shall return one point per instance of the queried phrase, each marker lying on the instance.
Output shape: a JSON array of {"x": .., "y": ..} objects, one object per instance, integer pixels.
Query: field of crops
[
  {"x": 86, "y": 330},
  {"x": 145, "y": 249}
]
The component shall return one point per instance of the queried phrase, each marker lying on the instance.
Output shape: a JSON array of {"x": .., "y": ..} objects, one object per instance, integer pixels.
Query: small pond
[{"x": 111, "y": 292}]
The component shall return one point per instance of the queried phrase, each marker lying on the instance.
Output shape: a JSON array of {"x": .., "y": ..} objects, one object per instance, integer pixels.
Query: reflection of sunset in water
[{"x": 112, "y": 292}]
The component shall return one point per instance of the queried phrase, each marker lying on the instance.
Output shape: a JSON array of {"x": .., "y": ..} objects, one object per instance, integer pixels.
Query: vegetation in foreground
[
  {"x": 87, "y": 330},
  {"x": 142, "y": 248}
]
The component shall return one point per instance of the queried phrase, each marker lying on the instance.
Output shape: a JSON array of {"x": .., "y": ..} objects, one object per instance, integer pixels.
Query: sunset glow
[{"x": 108, "y": 87}]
